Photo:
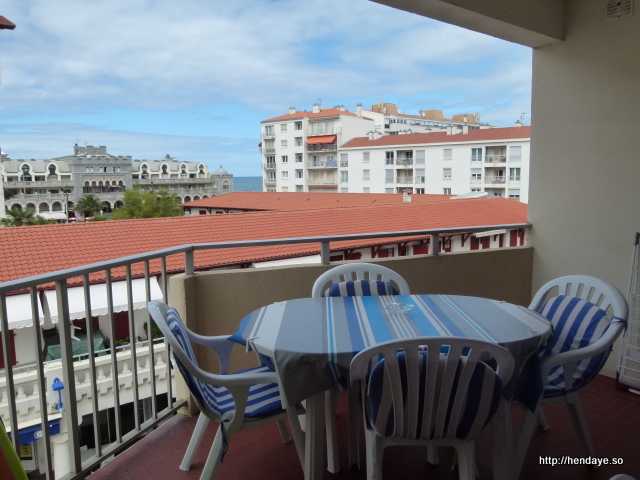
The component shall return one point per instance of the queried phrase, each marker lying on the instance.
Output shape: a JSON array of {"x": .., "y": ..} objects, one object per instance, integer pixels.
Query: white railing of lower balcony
[{"x": 119, "y": 375}]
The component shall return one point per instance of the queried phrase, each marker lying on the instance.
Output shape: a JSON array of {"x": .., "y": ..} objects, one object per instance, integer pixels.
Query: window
[
  {"x": 447, "y": 154},
  {"x": 389, "y": 158},
  {"x": 366, "y": 175},
  {"x": 365, "y": 158},
  {"x": 475, "y": 190},
  {"x": 366, "y": 190},
  {"x": 514, "y": 174},
  {"x": 420, "y": 157},
  {"x": 284, "y": 174},
  {"x": 446, "y": 173},
  {"x": 283, "y": 127},
  {"x": 268, "y": 131},
  {"x": 476, "y": 174},
  {"x": 344, "y": 190},
  {"x": 515, "y": 154},
  {"x": 446, "y": 191},
  {"x": 514, "y": 193},
  {"x": 284, "y": 158},
  {"x": 271, "y": 161},
  {"x": 284, "y": 189},
  {"x": 388, "y": 176},
  {"x": 299, "y": 188},
  {"x": 299, "y": 173},
  {"x": 298, "y": 141},
  {"x": 344, "y": 177},
  {"x": 344, "y": 160},
  {"x": 283, "y": 143},
  {"x": 420, "y": 191},
  {"x": 420, "y": 175},
  {"x": 298, "y": 157},
  {"x": 476, "y": 154},
  {"x": 389, "y": 190},
  {"x": 298, "y": 125}
]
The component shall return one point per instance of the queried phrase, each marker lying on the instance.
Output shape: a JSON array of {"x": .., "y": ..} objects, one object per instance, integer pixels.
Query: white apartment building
[
  {"x": 495, "y": 161},
  {"x": 299, "y": 150}
]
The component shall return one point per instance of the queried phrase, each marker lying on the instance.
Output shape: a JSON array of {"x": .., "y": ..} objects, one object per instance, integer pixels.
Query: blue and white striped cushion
[
  {"x": 361, "y": 288},
  {"x": 576, "y": 323},
  {"x": 476, "y": 393},
  {"x": 263, "y": 399}
]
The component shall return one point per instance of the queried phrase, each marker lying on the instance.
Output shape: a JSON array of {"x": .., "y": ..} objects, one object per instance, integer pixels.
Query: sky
[{"x": 194, "y": 78}]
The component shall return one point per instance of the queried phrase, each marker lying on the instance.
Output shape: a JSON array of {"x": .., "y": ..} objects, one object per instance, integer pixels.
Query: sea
[{"x": 247, "y": 184}]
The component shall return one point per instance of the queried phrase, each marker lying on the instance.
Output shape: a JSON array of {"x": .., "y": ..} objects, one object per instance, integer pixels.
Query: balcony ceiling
[{"x": 529, "y": 22}]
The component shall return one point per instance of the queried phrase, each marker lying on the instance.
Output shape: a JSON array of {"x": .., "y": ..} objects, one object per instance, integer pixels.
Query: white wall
[{"x": 584, "y": 175}]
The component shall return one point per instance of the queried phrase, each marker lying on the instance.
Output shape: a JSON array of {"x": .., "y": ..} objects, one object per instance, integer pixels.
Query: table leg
[
  {"x": 524, "y": 439},
  {"x": 314, "y": 455},
  {"x": 503, "y": 442},
  {"x": 333, "y": 452}
]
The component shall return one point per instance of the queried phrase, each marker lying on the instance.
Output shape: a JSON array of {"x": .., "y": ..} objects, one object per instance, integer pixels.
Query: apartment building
[
  {"x": 300, "y": 149},
  {"x": 494, "y": 161},
  {"x": 51, "y": 187},
  {"x": 391, "y": 121}
]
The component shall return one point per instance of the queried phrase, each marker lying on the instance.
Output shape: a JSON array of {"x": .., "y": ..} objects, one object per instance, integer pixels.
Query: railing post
[
  {"x": 70, "y": 406},
  {"x": 188, "y": 261},
  {"x": 6, "y": 357},
  {"x": 435, "y": 238},
  {"x": 325, "y": 257}
]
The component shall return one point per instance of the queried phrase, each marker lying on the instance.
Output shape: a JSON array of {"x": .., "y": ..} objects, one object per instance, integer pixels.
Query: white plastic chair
[
  {"x": 345, "y": 273},
  {"x": 358, "y": 271},
  {"x": 603, "y": 296},
  {"x": 444, "y": 412},
  {"x": 234, "y": 400}
]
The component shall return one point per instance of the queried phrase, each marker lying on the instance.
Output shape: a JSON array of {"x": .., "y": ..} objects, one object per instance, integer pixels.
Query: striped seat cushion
[
  {"x": 263, "y": 399},
  {"x": 485, "y": 388},
  {"x": 576, "y": 323},
  {"x": 361, "y": 288}
]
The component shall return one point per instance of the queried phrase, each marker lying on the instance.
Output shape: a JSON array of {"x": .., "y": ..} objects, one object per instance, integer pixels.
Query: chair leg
[
  {"x": 333, "y": 456},
  {"x": 356, "y": 430},
  {"x": 196, "y": 436},
  {"x": 580, "y": 423},
  {"x": 215, "y": 455},
  {"x": 432, "y": 455},
  {"x": 375, "y": 452},
  {"x": 285, "y": 436},
  {"x": 466, "y": 461},
  {"x": 542, "y": 420},
  {"x": 297, "y": 434}
]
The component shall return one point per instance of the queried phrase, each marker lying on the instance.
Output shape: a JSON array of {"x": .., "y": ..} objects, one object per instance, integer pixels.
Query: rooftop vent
[
  {"x": 315, "y": 108},
  {"x": 619, "y": 8}
]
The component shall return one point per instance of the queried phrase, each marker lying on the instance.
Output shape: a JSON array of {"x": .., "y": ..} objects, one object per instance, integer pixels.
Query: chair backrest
[
  {"x": 431, "y": 388},
  {"x": 353, "y": 279},
  {"x": 581, "y": 309},
  {"x": 176, "y": 333}
]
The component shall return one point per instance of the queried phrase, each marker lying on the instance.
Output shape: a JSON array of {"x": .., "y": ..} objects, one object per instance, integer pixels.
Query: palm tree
[
  {"x": 17, "y": 217},
  {"x": 88, "y": 206}
]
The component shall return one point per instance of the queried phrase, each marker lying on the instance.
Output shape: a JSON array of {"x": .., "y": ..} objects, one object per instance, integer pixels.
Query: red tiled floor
[{"x": 258, "y": 453}]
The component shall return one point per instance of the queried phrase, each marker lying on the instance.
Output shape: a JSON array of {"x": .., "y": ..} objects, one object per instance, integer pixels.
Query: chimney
[
  {"x": 341, "y": 108},
  {"x": 406, "y": 197},
  {"x": 315, "y": 108},
  {"x": 359, "y": 109},
  {"x": 292, "y": 110}
]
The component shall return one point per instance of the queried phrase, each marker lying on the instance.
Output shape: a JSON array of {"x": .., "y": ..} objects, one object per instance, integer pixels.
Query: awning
[
  {"x": 19, "y": 306},
  {"x": 53, "y": 215},
  {"x": 321, "y": 140}
]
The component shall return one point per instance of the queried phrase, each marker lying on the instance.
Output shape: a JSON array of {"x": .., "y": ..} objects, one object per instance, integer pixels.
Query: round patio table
[{"x": 311, "y": 342}]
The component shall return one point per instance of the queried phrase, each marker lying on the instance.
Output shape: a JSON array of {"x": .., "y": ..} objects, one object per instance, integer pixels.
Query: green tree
[
  {"x": 17, "y": 217},
  {"x": 146, "y": 204},
  {"x": 88, "y": 206}
]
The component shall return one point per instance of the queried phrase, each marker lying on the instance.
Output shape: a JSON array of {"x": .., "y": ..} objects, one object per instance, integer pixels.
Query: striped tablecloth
[{"x": 312, "y": 341}]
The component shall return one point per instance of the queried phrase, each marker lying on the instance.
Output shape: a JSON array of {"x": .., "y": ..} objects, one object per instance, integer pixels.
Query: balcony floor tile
[{"x": 258, "y": 453}]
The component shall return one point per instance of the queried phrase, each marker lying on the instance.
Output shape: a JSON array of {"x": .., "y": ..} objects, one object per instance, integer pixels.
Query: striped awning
[{"x": 322, "y": 140}]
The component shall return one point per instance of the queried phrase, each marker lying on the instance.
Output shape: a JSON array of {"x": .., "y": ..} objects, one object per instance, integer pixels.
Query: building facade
[
  {"x": 299, "y": 150},
  {"x": 493, "y": 161},
  {"x": 51, "y": 187}
]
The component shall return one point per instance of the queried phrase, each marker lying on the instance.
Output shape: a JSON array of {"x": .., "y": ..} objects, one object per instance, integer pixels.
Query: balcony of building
[
  {"x": 177, "y": 180},
  {"x": 38, "y": 184},
  {"x": 318, "y": 162},
  {"x": 491, "y": 180}
]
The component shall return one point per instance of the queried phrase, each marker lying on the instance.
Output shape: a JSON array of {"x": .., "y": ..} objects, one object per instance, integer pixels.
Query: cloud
[{"x": 258, "y": 55}]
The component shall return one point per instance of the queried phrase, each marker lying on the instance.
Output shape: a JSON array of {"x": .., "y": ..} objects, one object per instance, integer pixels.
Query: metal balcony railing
[
  {"x": 496, "y": 180},
  {"x": 39, "y": 184},
  {"x": 323, "y": 164},
  {"x": 495, "y": 158},
  {"x": 131, "y": 373},
  {"x": 172, "y": 181}
]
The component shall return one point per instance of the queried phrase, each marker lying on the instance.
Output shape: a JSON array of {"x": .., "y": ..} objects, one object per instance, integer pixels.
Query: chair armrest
[
  {"x": 570, "y": 359},
  {"x": 219, "y": 344}
]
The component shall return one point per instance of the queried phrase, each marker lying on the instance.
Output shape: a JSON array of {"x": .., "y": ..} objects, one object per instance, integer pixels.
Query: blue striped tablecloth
[{"x": 312, "y": 341}]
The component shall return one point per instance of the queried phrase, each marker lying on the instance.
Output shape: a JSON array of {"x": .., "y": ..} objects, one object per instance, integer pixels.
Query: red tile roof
[
  {"x": 6, "y": 24},
  {"x": 38, "y": 249},
  {"x": 287, "y": 201},
  {"x": 478, "y": 135},
  {"x": 323, "y": 113}
]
